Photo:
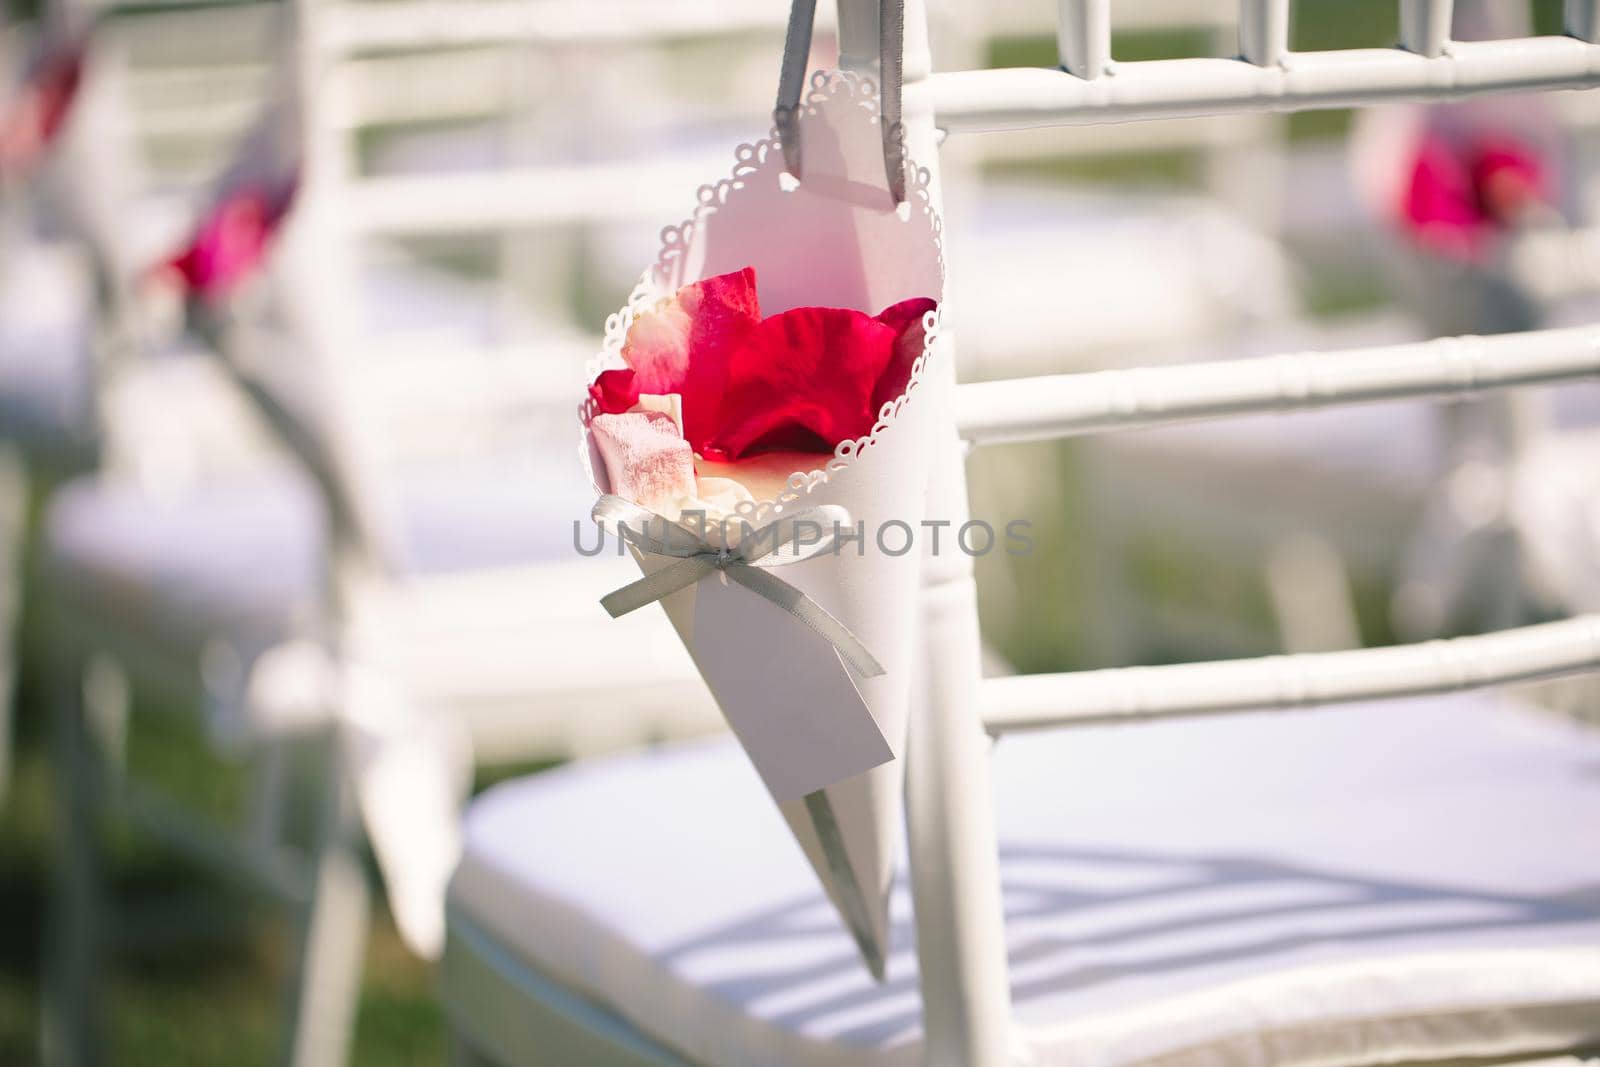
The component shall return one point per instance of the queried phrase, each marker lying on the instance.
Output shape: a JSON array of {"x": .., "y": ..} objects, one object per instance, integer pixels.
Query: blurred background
[{"x": 475, "y": 186}]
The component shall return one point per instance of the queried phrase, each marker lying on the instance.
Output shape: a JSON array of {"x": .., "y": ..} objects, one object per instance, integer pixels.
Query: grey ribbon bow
[{"x": 772, "y": 545}]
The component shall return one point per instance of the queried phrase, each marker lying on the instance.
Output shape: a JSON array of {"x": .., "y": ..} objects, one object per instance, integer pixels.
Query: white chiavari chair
[
  {"x": 400, "y": 642},
  {"x": 73, "y": 325},
  {"x": 1401, "y": 878},
  {"x": 45, "y": 294}
]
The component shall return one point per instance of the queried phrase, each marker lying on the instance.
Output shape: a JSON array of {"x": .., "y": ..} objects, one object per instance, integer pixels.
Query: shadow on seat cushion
[{"x": 1368, "y": 884}]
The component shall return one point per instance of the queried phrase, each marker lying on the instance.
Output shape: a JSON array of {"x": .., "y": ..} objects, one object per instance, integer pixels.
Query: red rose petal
[
  {"x": 905, "y": 318},
  {"x": 684, "y": 346},
  {"x": 803, "y": 381},
  {"x": 615, "y": 391}
]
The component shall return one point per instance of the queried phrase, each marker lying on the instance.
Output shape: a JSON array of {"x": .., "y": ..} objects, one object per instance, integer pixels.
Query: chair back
[
  {"x": 413, "y": 365},
  {"x": 953, "y": 854}
]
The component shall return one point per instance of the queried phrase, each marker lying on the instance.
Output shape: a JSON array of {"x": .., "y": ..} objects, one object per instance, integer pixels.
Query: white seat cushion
[
  {"x": 45, "y": 361},
  {"x": 1365, "y": 884},
  {"x": 498, "y": 616},
  {"x": 246, "y": 551},
  {"x": 240, "y": 558}
]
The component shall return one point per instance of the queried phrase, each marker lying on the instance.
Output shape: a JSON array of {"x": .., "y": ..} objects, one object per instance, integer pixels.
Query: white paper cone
[{"x": 835, "y": 240}]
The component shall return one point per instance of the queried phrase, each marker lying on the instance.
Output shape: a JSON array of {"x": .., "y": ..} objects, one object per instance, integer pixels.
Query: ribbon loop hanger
[{"x": 891, "y": 59}]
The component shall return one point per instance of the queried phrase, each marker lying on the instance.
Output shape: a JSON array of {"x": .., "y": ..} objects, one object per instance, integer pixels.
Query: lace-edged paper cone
[{"x": 834, "y": 239}]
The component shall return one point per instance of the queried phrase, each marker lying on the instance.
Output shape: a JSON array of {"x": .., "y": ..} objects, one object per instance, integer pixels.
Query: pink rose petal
[{"x": 647, "y": 461}]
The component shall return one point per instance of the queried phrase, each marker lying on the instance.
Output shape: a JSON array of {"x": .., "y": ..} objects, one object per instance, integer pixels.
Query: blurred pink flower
[
  {"x": 1463, "y": 194},
  {"x": 233, "y": 238}
]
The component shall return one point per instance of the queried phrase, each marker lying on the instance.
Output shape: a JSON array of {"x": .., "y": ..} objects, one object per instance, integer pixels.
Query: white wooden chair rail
[
  {"x": 1014, "y": 18},
  {"x": 1280, "y": 683},
  {"x": 493, "y": 201},
  {"x": 1064, "y": 405},
  {"x": 426, "y": 24},
  {"x": 1172, "y": 88}
]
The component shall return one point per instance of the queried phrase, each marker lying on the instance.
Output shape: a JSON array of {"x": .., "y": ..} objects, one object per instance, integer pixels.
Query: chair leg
[
  {"x": 462, "y": 1053},
  {"x": 13, "y": 542},
  {"x": 326, "y": 986},
  {"x": 1311, "y": 594},
  {"x": 72, "y": 1026},
  {"x": 268, "y": 791}
]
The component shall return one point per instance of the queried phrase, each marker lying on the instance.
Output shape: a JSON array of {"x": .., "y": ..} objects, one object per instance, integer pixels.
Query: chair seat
[
  {"x": 1369, "y": 884},
  {"x": 496, "y": 610}
]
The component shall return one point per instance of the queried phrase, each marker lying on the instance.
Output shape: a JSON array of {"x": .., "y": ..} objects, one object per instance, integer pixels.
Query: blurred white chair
[
  {"x": 1144, "y": 269},
  {"x": 1381, "y": 466},
  {"x": 414, "y": 605},
  {"x": 1398, "y": 882},
  {"x": 1483, "y": 548},
  {"x": 43, "y": 345},
  {"x": 68, "y": 320}
]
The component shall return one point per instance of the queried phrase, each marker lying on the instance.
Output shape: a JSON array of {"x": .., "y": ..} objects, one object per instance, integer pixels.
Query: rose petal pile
[
  {"x": 718, "y": 406},
  {"x": 800, "y": 381}
]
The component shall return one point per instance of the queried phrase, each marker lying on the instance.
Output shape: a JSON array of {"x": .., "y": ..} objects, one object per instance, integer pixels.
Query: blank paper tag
[{"x": 787, "y": 695}]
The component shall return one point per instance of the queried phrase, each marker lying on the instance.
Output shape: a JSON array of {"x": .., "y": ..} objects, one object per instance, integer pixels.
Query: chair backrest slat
[
  {"x": 1264, "y": 31},
  {"x": 1023, "y": 98},
  {"x": 1064, "y": 405},
  {"x": 1083, "y": 34},
  {"x": 430, "y": 24},
  {"x": 1299, "y": 682},
  {"x": 1425, "y": 26},
  {"x": 517, "y": 198}
]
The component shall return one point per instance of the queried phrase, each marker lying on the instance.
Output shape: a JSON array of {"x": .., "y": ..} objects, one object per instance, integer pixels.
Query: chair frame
[
  {"x": 954, "y": 865},
  {"x": 954, "y": 862}
]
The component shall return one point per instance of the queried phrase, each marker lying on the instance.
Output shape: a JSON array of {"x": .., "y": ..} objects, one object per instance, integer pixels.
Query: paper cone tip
[{"x": 852, "y": 898}]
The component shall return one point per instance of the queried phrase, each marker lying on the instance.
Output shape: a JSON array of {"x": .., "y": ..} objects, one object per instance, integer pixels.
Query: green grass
[
  {"x": 213, "y": 996},
  {"x": 208, "y": 998}
]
